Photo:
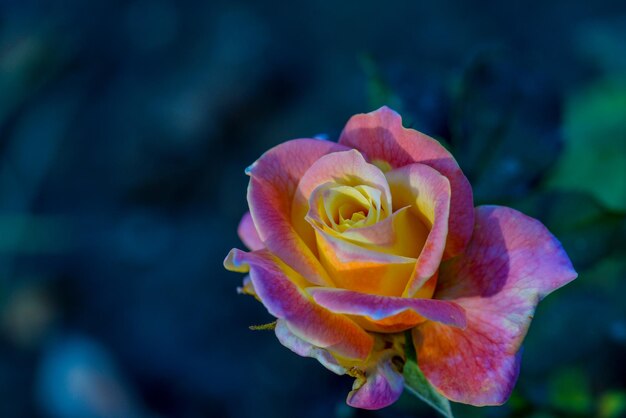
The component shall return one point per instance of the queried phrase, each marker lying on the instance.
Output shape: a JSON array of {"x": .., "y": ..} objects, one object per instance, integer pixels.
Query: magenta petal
[
  {"x": 381, "y": 307},
  {"x": 383, "y": 386},
  {"x": 305, "y": 349},
  {"x": 380, "y": 136},
  {"x": 510, "y": 264},
  {"x": 248, "y": 234},
  {"x": 277, "y": 286},
  {"x": 273, "y": 181}
]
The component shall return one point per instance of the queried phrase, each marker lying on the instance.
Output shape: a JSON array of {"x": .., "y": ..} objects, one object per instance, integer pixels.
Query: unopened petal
[{"x": 347, "y": 168}]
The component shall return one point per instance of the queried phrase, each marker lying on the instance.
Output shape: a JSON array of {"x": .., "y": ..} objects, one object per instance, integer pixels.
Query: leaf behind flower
[{"x": 417, "y": 384}]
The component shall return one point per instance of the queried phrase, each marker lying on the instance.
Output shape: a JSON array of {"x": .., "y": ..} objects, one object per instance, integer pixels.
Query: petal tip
[
  {"x": 386, "y": 109},
  {"x": 234, "y": 261},
  {"x": 249, "y": 169},
  {"x": 380, "y": 388}
]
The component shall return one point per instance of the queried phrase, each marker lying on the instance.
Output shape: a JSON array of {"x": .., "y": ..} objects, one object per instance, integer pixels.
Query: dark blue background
[{"x": 125, "y": 128}]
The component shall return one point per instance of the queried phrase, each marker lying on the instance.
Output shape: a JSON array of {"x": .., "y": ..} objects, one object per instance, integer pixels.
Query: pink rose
[{"x": 353, "y": 243}]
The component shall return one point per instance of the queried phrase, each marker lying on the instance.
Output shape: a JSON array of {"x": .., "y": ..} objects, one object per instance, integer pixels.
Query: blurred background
[{"x": 125, "y": 127}]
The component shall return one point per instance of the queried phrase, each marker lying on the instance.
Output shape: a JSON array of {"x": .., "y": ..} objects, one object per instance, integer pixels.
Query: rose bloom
[{"x": 354, "y": 243}]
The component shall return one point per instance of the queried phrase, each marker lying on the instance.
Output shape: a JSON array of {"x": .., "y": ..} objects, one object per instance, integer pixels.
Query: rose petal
[
  {"x": 385, "y": 235},
  {"x": 247, "y": 288},
  {"x": 356, "y": 268},
  {"x": 511, "y": 263},
  {"x": 248, "y": 234},
  {"x": 304, "y": 349},
  {"x": 343, "y": 167},
  {"x": 277, "y": 286},
  {"x": 401, "y": 234},
  {"x": 273, "y": 181},
  {"x": 380, "y": 136},
  {"x": 347, "y": 168},
  {"x": 383, "y": 386},
  {"x": 427, "y": 193},
  {"x": 380, "y": 307}
]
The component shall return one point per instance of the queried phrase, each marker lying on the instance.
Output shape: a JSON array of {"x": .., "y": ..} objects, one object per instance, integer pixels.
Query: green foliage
[
  {"x": 587, "y": 230},
  {"x": 564, "y": 163},
  {"x": 416, "y": 382},
  {"x": 612, "y": 405},
  {"x": 569, "y": 392},
  {"x": 594, "y": 159},
  {"x": 542, "y": 414},
  {"x": 503, "y": 133}
]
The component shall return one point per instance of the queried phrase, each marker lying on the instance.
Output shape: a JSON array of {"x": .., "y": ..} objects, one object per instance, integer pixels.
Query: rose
[{"x": 355, "y": 242}]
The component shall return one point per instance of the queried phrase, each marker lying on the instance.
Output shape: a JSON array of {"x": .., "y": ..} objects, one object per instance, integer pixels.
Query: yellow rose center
[{"x": 348, "y": 207}]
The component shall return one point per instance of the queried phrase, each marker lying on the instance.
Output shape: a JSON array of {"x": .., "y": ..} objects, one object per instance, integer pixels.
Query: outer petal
[
  {"x": 428, "y": 194},
  {"x": 277, "y": 286},
  {"x": 381, "y": 307},
  {"x": 382, "y": 138},
  {"x": 248, "y": 234},
  {"x": 304, "y": 349},
  {"x": 511, "y": 263},
  {"x": 382, "y": 387},
  {"x": 273, "y": 182}
]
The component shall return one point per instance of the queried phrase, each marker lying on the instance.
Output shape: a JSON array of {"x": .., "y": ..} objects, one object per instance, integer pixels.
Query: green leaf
[
  {"x": 416, "y": 383},
  {"x": 569, "y": 391},
  {"x": 595, "y": 151},
  {"x": 612, "y": 404}
]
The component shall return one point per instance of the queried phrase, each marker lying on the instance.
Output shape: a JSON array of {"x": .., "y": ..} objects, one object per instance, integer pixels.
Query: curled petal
[
  {"x": 511, "y": 263},
  {"x": 384, "y": 235},
  {"x": 381, "y": 386},
  {"x": 279, "y": 288},
  {"x": 248, "y": 234},
  {"x": 343, "y": 167},
  {"x": 380, "y": 307},
  {"x": 427, "y": 193},
  {"x": 346, "y": 168},
  {"x": 380, "y": 136},
  {"x": 400, "y": 234},
  {"x": 273, "y": 181},
  {"x": 360, "y": 269},
  {"x": 304, "y": 349}
]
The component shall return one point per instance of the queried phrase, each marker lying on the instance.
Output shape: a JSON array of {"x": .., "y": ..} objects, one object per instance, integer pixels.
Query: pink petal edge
[
  {"x": 512, "y": 262},
  {"x": 273, "y": 181},
  {"x": 305, "y": 349},
  {"x": 380, "y": 307},
  {"x": 248, "y": 234},
  {"x": 379, "y": 135},
  {"x": 273, "y": 283},
  {"x": 383, "y": 386}
]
